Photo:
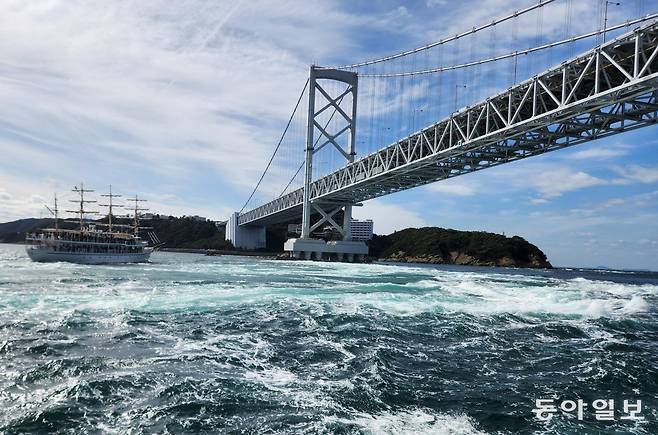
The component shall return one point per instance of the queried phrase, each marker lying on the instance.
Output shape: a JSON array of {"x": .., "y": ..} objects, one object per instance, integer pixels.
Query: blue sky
[{"x": 183, "y": 102}]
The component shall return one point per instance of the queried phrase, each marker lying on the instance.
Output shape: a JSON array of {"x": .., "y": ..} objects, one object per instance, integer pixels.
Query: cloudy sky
[{"x": 184, "y": 101}]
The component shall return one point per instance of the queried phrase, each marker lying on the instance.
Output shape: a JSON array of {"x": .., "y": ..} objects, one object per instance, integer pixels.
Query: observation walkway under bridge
[{"x": 610, "y": 89}]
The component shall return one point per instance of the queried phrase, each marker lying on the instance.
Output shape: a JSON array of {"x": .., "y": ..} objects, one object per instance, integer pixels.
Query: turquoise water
[{"x": 193, "y": 344}]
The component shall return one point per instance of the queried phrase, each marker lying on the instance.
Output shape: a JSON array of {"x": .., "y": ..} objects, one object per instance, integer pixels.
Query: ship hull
[{"x": 46, "y": 255}]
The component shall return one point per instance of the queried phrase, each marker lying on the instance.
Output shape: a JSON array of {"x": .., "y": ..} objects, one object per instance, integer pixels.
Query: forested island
[
  {"x": 444, "y": 246},
  {"x": 413, "y": 245}
]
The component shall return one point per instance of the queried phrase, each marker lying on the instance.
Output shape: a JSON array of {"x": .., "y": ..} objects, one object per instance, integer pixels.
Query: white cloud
[
  {"x": 546, "y": 181},
  {"x": 451, "y": 187},
  {"x": 612, "y": 203},
  {"x": 549, "y": 180},
  {"x": 434, "y": 3},
  {"x": 21, "y": 202},
  {"x": 644, "y": 199},
  {"x": 600, "y": 152},
  {"x": 124, "y": 86},
  {"x": 164, "y": 93},
  {"x": 638, "y": 174},
  {"x": 632, "y": 202},
  {"x": 558, "y": 180}
]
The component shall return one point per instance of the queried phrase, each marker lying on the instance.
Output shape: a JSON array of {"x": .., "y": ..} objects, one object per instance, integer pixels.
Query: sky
[{"x": 183, "y": 102}]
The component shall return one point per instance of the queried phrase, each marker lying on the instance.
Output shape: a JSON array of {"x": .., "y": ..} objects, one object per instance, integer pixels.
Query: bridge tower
[{"x": 306, "y": 246}]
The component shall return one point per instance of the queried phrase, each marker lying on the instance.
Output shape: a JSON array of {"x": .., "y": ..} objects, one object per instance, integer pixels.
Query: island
[{"x": 445, "y": 246}]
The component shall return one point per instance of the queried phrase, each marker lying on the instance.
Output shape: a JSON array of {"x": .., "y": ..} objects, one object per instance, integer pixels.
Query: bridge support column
[
  {"x": 347, "y": 222},
  {"x": 244, "y": 237},
  {"x": 327, "y": 138},
  {"x": 305, "y": 246}
]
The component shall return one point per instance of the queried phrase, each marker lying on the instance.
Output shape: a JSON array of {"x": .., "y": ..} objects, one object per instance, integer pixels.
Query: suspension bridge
[{"x": 450, "y": 108}]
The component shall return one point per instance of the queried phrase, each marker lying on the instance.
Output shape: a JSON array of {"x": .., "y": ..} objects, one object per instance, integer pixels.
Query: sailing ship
[{"x": 92, "y": 242}]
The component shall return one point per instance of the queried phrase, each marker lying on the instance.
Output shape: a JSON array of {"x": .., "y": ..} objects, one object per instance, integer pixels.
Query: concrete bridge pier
[
  {"x": 246, "y": 236},
  {"x": 316, "y": 249}
]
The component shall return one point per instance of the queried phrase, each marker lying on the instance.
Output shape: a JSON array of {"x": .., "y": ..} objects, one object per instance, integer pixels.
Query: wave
[
  {"x": 395, "y": 290},
  {"x": 412, "y": 421}
]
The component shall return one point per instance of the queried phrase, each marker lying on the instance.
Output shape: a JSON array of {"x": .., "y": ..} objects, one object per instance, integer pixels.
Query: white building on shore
[{"x": 362, "y": 230}]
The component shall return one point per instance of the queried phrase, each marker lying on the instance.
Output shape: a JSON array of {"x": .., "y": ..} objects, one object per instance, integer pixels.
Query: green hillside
[{"x": 445, "y": 246}]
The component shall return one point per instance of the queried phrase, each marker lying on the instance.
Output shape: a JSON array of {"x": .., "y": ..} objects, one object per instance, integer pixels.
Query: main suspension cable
[
  {"x": 277, "y": 147},
  {"x": 515, "y": 53},
  {"x": 495, "y": 22},
  {"x": 314, "y": 145}
]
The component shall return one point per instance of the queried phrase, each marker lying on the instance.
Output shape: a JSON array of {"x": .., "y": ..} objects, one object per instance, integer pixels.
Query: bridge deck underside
[{"x": 606, "y": 91}]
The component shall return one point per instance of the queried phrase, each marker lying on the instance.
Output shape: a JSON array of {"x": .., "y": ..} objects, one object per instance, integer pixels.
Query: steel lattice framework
[{"x": 611, "y": 89}]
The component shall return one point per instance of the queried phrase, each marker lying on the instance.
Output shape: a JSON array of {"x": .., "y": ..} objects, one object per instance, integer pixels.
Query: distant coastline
[{"x": 429, "y": 245}]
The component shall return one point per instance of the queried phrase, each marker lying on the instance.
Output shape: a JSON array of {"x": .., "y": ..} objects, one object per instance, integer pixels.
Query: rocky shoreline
[{"x": 462, "y": 259}]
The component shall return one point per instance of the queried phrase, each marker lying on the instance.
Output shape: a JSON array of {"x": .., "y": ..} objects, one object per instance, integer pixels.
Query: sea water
[{"x": 194, "y": 344}]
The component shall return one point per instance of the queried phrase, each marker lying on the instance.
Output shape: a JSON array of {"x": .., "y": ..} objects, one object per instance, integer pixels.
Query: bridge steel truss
[
  {"x": 309, "y": 206},
  {"x": 611, "y": 89}
]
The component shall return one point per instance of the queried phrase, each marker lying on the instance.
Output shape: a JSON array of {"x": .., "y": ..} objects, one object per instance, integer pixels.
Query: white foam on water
[
  {"x": 491, "y": 293},
  {"x": 195, "y": 283},
  {"x": 413, "y": 421},
  {"x": 288, "y": 387},
  {"x": 483, "y": 298},
  {"x": 424, "y": 284},
  {"x": 608, "y": 287},
  {"x": 274, "y": 377},
  {"x": 637, "y": 304},
  {"x": 338, "y": 347},
  {"x": 597, "y": 307},
  {"x": 452, "y": 292}
]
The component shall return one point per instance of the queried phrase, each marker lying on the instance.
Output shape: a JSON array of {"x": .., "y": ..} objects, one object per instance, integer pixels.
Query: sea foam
[{"x": 414, "y": 421}]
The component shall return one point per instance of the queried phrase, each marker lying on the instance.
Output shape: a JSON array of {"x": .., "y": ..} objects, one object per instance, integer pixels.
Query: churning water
[{"x": 193, "y": 344}]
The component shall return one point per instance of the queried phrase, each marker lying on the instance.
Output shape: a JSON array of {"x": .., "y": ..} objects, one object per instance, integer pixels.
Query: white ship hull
[{"x": 48, "y": 255}]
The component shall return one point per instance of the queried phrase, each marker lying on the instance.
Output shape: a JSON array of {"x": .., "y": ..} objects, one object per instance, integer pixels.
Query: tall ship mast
[
  {"x": 90, "y": 242},
  {"x": 137, "y": 211},
  {"x": 110, "y": 204},
  {"x": 81, "y": 212},
  {"x": 54, "y": 211}
]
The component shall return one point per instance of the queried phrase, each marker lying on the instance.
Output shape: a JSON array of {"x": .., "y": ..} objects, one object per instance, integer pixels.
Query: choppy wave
[
  {"x": 414, "y": 421},
  {"x": 209, "y": 344}
]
